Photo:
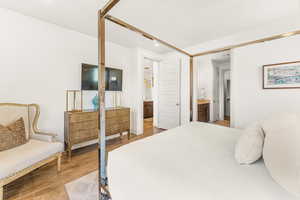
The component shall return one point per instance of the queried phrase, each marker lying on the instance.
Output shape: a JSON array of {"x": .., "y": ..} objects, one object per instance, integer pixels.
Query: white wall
[
  {"x": 39, "y": 61},
  {"x": 249, "y": 101}
]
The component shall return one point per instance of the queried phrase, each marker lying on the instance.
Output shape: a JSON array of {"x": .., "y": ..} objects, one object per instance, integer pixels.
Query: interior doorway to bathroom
[
  {"x": 221, "y": 90},
  {"x": 150, "y": 96}
]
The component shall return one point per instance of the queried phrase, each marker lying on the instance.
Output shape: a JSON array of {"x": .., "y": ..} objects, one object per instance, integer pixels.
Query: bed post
[
  {"x": 103, "y": 193},
  {"x": 102, "y": 154},
  {"x": 1, "y": 192}
]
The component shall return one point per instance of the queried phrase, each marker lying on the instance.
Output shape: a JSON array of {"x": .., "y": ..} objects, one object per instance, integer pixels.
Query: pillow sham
[
  {"x": 12, "y": 135},
  {"x": 282, "y": 151},
  {"x": 249, "y": 147}
]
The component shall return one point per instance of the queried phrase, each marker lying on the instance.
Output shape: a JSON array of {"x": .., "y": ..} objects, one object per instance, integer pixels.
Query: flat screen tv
[{"x": 89, "y": 78}]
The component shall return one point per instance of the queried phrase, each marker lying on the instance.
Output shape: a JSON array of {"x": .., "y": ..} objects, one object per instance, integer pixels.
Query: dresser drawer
[
  {"x": 124, "y": 120},
  {"x": 125, "y": 126},
  {"x": 113, "y": 129},
  {"x": 110, "y": 113},
  {"x": 83, "y": 135},
  {"x": 84, "y": 125},
  {"x": 124, "y": 112},
  {"x": 80, "y": 117}
]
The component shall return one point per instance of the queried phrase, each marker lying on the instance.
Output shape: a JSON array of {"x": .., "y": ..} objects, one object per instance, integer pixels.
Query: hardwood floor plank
[{"x": 223, "y": 123}]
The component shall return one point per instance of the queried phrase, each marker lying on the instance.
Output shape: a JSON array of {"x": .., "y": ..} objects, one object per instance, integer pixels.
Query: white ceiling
[{"x": 180, "y": 22}]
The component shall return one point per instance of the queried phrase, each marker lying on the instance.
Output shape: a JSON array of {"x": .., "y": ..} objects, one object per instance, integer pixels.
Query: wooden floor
[
  {"x": 223, "y": 123},
  {"x": 46, "y": 184}
]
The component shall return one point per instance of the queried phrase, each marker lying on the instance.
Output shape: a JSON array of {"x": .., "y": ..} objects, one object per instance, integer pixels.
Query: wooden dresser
[
  {"x": 83, "y": 126},
  {"x": 148, "y": 109},
  {"x": 203, "y": 110}
]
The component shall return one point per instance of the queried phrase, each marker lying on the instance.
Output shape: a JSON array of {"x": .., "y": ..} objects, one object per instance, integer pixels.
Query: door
[{"x": 169, "y": 95}]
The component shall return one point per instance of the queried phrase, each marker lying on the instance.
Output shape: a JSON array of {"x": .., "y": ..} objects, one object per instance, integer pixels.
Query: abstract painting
[{"x": 281, "y": 76}]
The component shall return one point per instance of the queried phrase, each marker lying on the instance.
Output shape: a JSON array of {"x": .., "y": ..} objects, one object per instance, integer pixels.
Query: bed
[{"x": 191, "y": 162}]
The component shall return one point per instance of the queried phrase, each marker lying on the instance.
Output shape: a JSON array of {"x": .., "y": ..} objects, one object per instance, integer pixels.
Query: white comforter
[{"x": 192, "y": 162}]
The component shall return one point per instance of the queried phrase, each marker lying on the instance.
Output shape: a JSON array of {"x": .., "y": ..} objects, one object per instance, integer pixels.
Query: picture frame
[{"x": 282, "y": 75}]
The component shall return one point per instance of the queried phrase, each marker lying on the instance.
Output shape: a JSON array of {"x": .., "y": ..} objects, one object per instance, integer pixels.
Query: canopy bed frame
[{"x": 102, "y": 16}]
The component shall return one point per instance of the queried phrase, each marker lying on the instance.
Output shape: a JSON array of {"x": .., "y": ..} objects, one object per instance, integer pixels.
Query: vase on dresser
[{"x": 95, "y": 102}]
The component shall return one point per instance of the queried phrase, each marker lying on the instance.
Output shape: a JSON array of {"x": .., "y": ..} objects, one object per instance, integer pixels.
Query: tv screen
[{"x": 89, "y": 78}]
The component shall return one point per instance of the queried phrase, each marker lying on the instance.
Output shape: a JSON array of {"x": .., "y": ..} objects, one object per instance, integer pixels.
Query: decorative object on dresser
[
  {"x": 203, "y": 110},
  {"x": 148, "y": 109},
  {"x": 95, "y": 102},
  {"x": 116, "y": 101},
  {"x": 84, "y": 126},
  {"x": 74, "y": 100}
]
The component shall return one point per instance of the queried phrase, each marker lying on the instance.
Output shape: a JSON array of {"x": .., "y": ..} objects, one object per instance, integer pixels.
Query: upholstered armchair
[{"x": 40, "y": 149}]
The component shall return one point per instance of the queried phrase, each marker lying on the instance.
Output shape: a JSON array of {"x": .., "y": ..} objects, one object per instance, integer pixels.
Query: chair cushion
[
  {"x": 21, "y": 157},
  {"x": 12, "y": 135}
]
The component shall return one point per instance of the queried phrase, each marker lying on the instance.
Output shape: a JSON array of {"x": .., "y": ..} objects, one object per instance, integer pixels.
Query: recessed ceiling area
[{"x": 180, "y": 22}]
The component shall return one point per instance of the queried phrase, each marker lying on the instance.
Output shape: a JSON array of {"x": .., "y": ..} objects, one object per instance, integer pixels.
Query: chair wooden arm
[
  {"x": 49, "y": 134},
  {"x": 47, "y": 137}
]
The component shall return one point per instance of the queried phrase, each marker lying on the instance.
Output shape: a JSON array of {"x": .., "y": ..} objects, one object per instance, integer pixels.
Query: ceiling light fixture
[{"x": 156, "y": 43}]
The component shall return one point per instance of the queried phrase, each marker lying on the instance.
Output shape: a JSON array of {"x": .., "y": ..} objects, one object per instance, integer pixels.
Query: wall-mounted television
[{"x": 89, "y": 78}]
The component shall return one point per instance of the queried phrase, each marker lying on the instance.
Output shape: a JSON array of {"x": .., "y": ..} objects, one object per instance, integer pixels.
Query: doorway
[
  {"x": 161, "y": 99},
  {"x": 221, "y": 90},
  {"x": 150, "y": 95}
]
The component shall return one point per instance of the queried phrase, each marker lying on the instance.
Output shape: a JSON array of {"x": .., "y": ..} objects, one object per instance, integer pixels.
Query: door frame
[
  {"x": 140, "y": 110},
  {"x": 222, "y": 92},
  {"x": 218, "y": 90},
  {"x": 155, "y": 66}
]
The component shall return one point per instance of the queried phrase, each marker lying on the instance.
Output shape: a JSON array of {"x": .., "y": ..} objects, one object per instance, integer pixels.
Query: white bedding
[{"x": 192, "y": 162}]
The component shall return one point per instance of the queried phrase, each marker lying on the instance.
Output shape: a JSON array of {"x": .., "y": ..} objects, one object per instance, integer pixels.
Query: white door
[{"x": 169, "y": 95}]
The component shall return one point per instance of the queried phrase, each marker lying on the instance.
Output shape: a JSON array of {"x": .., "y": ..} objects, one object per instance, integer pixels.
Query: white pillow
[
  {"x": 249, "y": 148},
  {"x": 282, "y": 151}
]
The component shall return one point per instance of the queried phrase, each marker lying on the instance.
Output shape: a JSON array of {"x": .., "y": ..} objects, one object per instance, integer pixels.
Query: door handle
[{"x": 177, "y": 104}]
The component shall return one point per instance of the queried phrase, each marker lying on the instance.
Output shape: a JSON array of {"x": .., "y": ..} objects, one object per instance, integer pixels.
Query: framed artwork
[{"x": 281, "y": 75}]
